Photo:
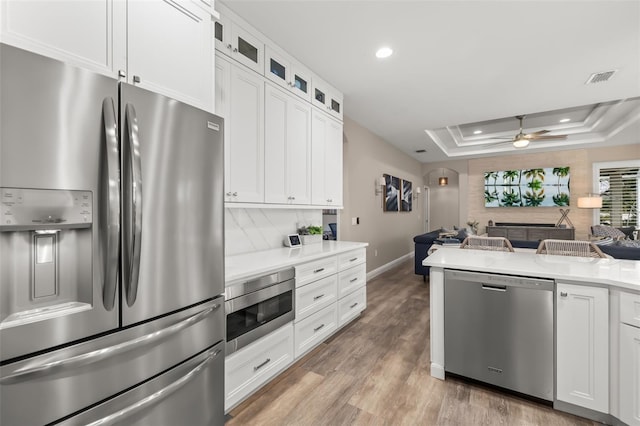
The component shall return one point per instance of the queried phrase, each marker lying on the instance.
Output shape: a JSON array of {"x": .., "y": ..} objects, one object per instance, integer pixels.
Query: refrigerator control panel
[{"x": 24, "y": 209}]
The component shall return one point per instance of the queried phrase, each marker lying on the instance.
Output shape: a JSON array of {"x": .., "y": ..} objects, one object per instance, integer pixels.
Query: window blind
[{"x": 620, "y": 198}]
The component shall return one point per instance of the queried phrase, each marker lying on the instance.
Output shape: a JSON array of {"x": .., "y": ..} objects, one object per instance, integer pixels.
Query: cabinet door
[
  {"x": 244, "y": 146},
  {"x": 275, "y": 141},
  {"x": 277, "y": 67},
  {"x": 222, "y": 35},
  {"x": 333, "y": 164},
  {"x": 82, "y": 33},
  {"x": 630, "y": 374},
  {"x": 170, "y": 50},
  {"x": 582, "y": 321},
  {"x": 246, "y": 48},
  {"x": 300, "y": 81},
  {"x": 287, "y": 148},
  {"x": 326, "y": 160},
  {"x": 319, "y": 135}
]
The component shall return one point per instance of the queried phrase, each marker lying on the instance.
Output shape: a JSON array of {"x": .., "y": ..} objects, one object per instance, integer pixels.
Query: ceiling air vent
[
  {"x": 599, "y": 77},
  {"x": 420, "y": 151}
]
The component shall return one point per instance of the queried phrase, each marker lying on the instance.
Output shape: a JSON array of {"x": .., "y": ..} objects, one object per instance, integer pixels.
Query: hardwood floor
[{"x": 375, "y": 371}]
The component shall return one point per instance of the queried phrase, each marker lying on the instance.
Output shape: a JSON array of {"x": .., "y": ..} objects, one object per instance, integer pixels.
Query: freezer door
[
  {"x": 59, "y": 200},
  {"x": 189, "y": 394},
  {"x": 49, "y": 387},
  {"x": 172, "y": 183}
]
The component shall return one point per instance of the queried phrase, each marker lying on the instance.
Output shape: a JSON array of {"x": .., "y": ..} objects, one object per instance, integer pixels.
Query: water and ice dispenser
[{"x": 46, "y": 254}]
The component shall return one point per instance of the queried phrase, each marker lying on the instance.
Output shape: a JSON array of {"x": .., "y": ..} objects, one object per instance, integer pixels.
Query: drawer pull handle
[
  {"x": 267, "y": 361},
  {"x": 353, "y": 306},
  {"x": 318, "y": 297},
  {"x": 353, "y": 260},
  {"x": 318, "y": 328},
  {"x": 563, "y": 294},
  {"x": 318, "y": 270},
  {"x": 353, "y": 280}
]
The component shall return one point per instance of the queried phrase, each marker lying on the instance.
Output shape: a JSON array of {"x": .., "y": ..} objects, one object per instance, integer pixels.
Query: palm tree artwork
[{"x": 527, "y": 188}]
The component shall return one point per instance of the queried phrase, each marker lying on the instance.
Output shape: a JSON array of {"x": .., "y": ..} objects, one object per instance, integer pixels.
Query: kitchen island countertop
[
  {"x": 621, "y": 273},
  {"x": 246, "y": 266}
]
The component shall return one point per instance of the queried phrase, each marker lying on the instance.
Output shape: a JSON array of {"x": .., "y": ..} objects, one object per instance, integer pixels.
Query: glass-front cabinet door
[
  {"x": 286, "y": 72},
  {"x": 246, "y": 48}
]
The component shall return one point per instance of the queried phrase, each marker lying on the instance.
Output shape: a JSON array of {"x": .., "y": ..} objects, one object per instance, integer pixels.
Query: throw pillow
[{"x": 607, "y": 231}]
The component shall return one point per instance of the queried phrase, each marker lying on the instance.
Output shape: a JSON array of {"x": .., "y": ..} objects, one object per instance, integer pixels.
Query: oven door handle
[{"x": 250, "y": 299}]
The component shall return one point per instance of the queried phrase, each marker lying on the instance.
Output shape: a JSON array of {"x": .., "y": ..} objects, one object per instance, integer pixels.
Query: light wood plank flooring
[{"x": 375, "y": 371}]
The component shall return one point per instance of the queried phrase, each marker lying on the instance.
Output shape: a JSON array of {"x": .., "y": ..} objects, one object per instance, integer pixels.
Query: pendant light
[{"x": 443, "y": 180}]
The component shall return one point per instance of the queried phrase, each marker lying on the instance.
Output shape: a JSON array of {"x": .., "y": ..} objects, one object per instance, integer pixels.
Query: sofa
[{"x": 622, "y": 249}]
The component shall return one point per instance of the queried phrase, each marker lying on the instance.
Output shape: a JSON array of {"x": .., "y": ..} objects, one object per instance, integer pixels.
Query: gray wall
[{"x": 367, "y": 157}]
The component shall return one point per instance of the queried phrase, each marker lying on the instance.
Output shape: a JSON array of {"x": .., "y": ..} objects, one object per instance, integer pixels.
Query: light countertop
[
  {"x": 613, "y": 272},
  {"x": 251, "y": 265}
]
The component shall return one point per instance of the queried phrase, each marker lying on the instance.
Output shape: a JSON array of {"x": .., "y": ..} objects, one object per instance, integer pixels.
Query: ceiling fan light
[{"x": 521, "y": 143}]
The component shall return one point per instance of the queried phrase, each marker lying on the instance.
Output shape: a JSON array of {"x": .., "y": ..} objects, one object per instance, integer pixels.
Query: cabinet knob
[
  {"x": 229, "y": 46},
  {"x": 122, "y": 74},
  {"x": 136, "y": 79},
  {"x": 563, "y": 294},
  {"x": 235, "y": 194},
  {"x": 235, "y": 50},
  {"x": 229, "y": 194}
]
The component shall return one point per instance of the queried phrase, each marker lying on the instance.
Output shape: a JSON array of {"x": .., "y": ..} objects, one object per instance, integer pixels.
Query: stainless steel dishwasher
[{"x": 498, "y": 329}]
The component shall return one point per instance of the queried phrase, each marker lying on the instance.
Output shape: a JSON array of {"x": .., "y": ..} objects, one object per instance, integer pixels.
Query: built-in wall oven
[{"x": 258, "y": 307}]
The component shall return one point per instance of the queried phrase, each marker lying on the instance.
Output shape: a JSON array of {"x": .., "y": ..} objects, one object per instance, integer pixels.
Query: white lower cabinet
[
  {"x": 252, "y": 366},
  {"x": 314, "y": 329},
  {"x": 630, "y": 374},
  {"x": 582, "y": 344},
  {"x": 350, "y": 306},
  {"x": 629, "y": 384}
]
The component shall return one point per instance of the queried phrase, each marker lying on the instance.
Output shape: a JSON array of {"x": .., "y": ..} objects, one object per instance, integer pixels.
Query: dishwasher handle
[{"x": 501, "y": 288}]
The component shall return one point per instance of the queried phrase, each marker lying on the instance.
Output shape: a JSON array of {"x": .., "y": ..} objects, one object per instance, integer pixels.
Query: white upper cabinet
[
  {"x": 162, "y": 45},
  {"x": 240, "y": 44},
  {"x": 326, "y": 98},
  {"x": 582, "y": 340},
  {"x": 326, "y": 160},
  {"x": 287, "y": 148},
  {"x": 82, "y": 33},
  {"x": 285, "y": 71},
  {"x": 240, "y": 101},
  {"x": 170, "y": 50}
]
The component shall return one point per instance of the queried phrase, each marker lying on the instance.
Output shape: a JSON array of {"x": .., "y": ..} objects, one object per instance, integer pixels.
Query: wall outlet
[
  {"x": 375, "y": 253},
  {"x": 354, "y": 220}
]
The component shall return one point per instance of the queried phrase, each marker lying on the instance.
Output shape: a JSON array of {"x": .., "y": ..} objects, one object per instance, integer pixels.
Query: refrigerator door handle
[
  {"x": 158, "y": 396},
  {"x": 135, "y": 228},
  {"x": 151, "y": 339},
  {"x": 113, "y": 205}
]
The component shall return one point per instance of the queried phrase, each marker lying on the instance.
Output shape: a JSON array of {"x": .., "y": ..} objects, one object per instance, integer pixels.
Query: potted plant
[{"x": 310, "y": 234}]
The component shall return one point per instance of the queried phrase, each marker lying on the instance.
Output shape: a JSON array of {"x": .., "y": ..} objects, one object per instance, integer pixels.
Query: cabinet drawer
[
  {"x": 351, "y": 258},
  {"x": 313, "y": 271},
  {"x": 537, "y": 234},
  {"x": 350, "y": 306},
  {"x": 250, "y": 367},
  {"x": 352, "y": 279},
  {"x": 314, "y": 329},
  {"x": 313, "y": 297},
  {"x": 630, "y": 309}
]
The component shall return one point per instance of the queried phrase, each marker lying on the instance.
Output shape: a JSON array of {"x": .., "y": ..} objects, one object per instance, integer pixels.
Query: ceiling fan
[{"x": 522, "y": 139}]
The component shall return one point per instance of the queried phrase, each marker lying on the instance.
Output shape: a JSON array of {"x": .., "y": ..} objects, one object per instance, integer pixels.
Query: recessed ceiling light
[
  {"x": 565, "y": 120},
  {"x": 477, "y": 132},
  {"x": 384, "y": 52}
]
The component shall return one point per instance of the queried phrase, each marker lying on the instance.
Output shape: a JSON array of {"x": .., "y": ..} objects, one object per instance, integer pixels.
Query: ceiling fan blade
[
  {"x": 550, "y": 137},
  {"x": 539, "y": 132}
]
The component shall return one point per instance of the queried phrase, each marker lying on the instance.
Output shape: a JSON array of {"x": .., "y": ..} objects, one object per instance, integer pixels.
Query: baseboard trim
[{"x": 384, "y": 268}]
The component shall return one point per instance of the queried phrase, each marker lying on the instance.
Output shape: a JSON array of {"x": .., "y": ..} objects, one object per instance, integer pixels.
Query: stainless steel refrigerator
[{"x": 111, "y": 251}]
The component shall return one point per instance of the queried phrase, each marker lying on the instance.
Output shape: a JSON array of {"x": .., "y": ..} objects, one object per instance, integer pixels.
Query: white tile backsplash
[{"x": 249, "y": 230}]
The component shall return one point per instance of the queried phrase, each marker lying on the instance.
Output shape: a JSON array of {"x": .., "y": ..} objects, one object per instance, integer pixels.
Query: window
[{"x": 618, "y": 184}]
